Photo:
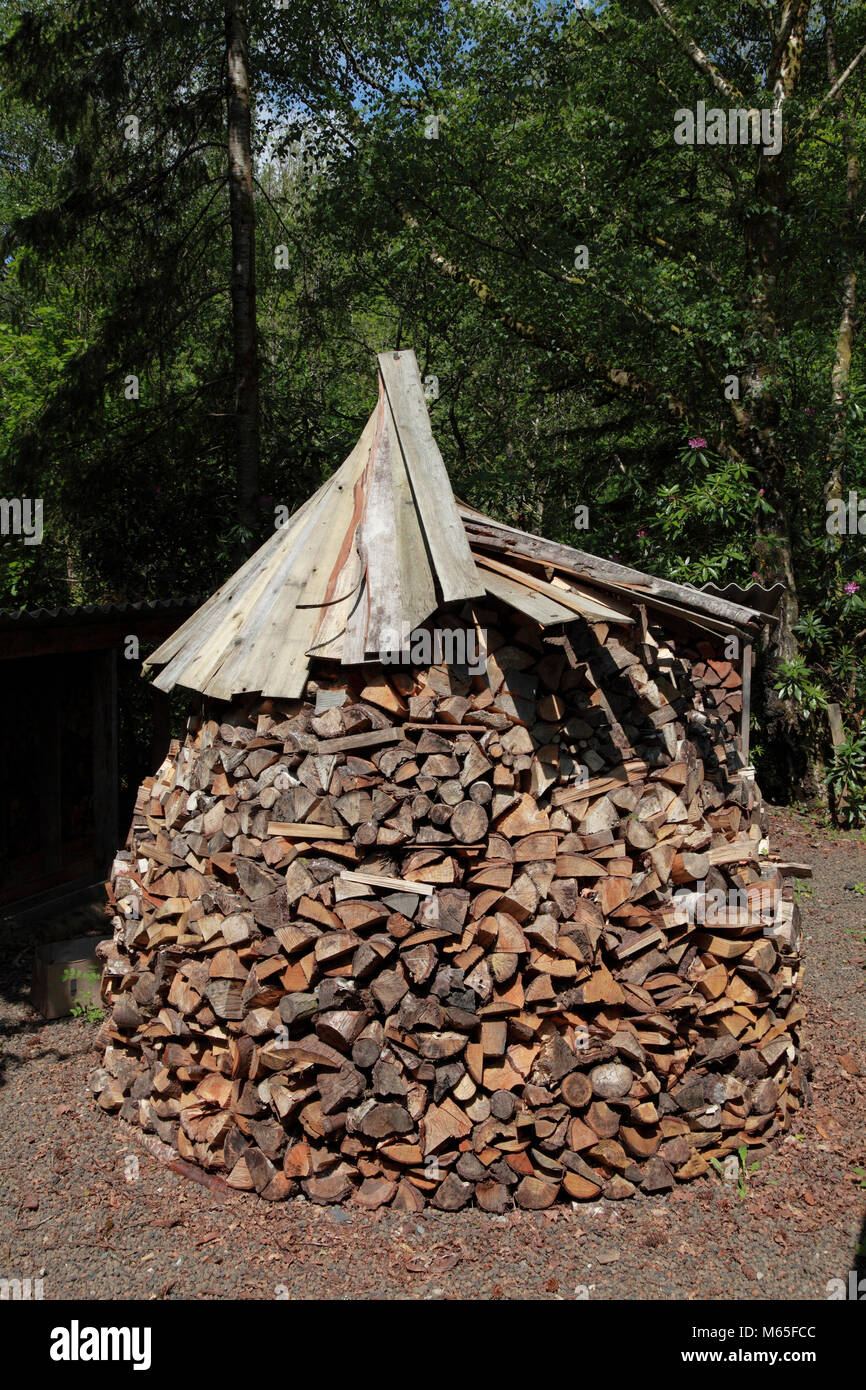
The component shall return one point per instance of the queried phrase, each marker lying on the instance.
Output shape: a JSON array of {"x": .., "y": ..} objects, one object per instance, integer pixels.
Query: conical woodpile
[{"x": 427, "y": 934}]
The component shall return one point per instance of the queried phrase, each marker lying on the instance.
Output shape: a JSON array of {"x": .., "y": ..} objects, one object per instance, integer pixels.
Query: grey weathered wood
[
  {"x": 416, "y": 576},
  {"x": 543, "y": 610},
  {"x": 207, "y": 617},
  {"x": 371, "y": 739},
  {"x": 377, "y": 541},
  {"x": 443, "y": 529},
  {"x": 365, "y": 880},
  {"x": 579, "y": 602},
  {"x": 834, "y": 719},
  {"x": 480, "y": 528},
  {"x": 747, "y": 702}
]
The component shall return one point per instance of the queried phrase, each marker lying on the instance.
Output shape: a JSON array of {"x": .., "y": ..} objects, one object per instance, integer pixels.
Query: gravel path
[{"x": 98, "y": 1218}]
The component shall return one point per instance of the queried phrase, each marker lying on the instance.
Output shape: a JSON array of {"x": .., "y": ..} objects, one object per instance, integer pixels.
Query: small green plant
[
  {"x": 90, "y": 1012},
  {"x": 795, "y": 682},
  {"x": 743, "y": 1173},
  {"x": 858, "y": 888},
  {"x": 860, "y": 1174},
  {"x": 803, "y": 890},
  {"x": 847, "y": 781}
]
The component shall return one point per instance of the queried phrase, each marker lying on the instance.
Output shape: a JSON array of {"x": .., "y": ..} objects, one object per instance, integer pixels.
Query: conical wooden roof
[{"x": 373, "y": 553}]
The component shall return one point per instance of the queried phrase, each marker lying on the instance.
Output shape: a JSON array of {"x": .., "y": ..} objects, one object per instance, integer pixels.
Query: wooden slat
[
  {"x": 604, "y": 571},
  {"x": 377, "y": 541},
  {"x": 206, "y": 619},
  {"x": 371, "y": 739},
  {"x": 417, "y": 583},
  {"x": 632, "y": 771},
  {"x": 395, "y": 885},
  {"x": 280, "y": 628},
  {"x": 204, "y": 653},
  {"x": 543, "y": 610},
  {"x": 578, "y": 602},
  {"x": 209, "y": 640},
  {"x": 291, "y": 641},
  {"x": 431, "y": 489},
  {"x": 308, "y": 830}
]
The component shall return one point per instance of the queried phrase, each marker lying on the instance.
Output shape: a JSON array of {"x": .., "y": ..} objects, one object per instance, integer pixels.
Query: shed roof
[{"x": 375, "y": 552}]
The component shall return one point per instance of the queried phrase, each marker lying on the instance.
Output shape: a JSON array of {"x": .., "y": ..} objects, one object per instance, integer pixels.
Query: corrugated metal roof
[
  {"x": 73, "y": 613},
  {"x": 758, "y": 596}
]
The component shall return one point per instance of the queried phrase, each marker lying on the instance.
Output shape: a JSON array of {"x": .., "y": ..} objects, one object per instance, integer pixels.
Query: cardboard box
[{"x": 51, "y": 994}]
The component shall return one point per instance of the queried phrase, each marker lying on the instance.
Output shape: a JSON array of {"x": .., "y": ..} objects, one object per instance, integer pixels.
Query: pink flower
[
  {"x": 641, "y": 533},
  {"x": 760, "y": 492},
  {"x": 697, "y": 443},
  {"x": 755, "y": 574},
  {"x": 810, "y": 410},
  {"x": 851, "y": 587}
]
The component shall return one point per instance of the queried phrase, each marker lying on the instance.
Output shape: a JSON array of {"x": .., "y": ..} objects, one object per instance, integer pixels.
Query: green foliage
[
  {"x": 560, "y": 384},
  {"x": 90, "y": 1012},
  {"x": 744, "y": 1170},
  {"x": 847, "y": 780},
  {"x": 796, "y": 682}
]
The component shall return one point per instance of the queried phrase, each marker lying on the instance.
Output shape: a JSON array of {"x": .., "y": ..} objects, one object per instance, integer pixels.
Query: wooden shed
[{"x": 59, "y": 817}]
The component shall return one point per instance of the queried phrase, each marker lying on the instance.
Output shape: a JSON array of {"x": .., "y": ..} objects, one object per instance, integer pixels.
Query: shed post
[{"x": 747, "y": 702}]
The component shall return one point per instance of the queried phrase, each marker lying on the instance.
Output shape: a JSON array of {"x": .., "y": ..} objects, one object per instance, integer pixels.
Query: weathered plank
[{"x": 428, "y": 478}]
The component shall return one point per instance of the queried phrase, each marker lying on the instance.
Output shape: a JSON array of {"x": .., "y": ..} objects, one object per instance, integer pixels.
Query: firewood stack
[{"x": 415, "y": 938}]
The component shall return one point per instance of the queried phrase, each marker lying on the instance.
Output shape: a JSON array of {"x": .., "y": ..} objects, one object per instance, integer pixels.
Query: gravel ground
[{"x": 77, "y": 1212}]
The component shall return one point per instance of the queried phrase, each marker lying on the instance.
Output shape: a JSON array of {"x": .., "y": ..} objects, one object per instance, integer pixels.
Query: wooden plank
[
  {"x": 479, "y": 527},
  {"x": 790, "y": 868},
  {"x": 377, "y": 542},
  {"x": 577, "y": 602},
  {"x": 180, "y": 646},
  {"x": 343, "y": 605},
  {"x": 205, "y": 653},
  {"x": 395, "y": 885},
  {"x": 279, "y": 659},
  {"x": 428, "y": 478},
  {"x": 211, "y": 633},
  {"x": 747, "y": 703},
  {"x": 736, "y": 852},
  {"x": 547, "y": 612},
  {"x": 416, "y": 575},
  {"x": 446, "y": 728},
  {"x": 370, "y": 739},
  {"x": 834, "y": 719},
  {"x": 308, "y": 830},
  {"x": 633, "y": 771}
]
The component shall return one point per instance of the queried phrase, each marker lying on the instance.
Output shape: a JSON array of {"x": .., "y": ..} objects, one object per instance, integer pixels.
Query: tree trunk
[
  {"x": 773, "y": 544},
  {"x": 758, "y": 420},
  {"x": 243, "y": 283},
  {"x": 841, "y": 372}
]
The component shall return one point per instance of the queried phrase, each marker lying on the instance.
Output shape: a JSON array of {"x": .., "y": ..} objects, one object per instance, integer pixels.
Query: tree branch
[
  {"x": 789, "y": 19},
  {"x": 693, "y": 51},
  {"x": 837, "y": 84},
  {"x": 530, "y": 333}
]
